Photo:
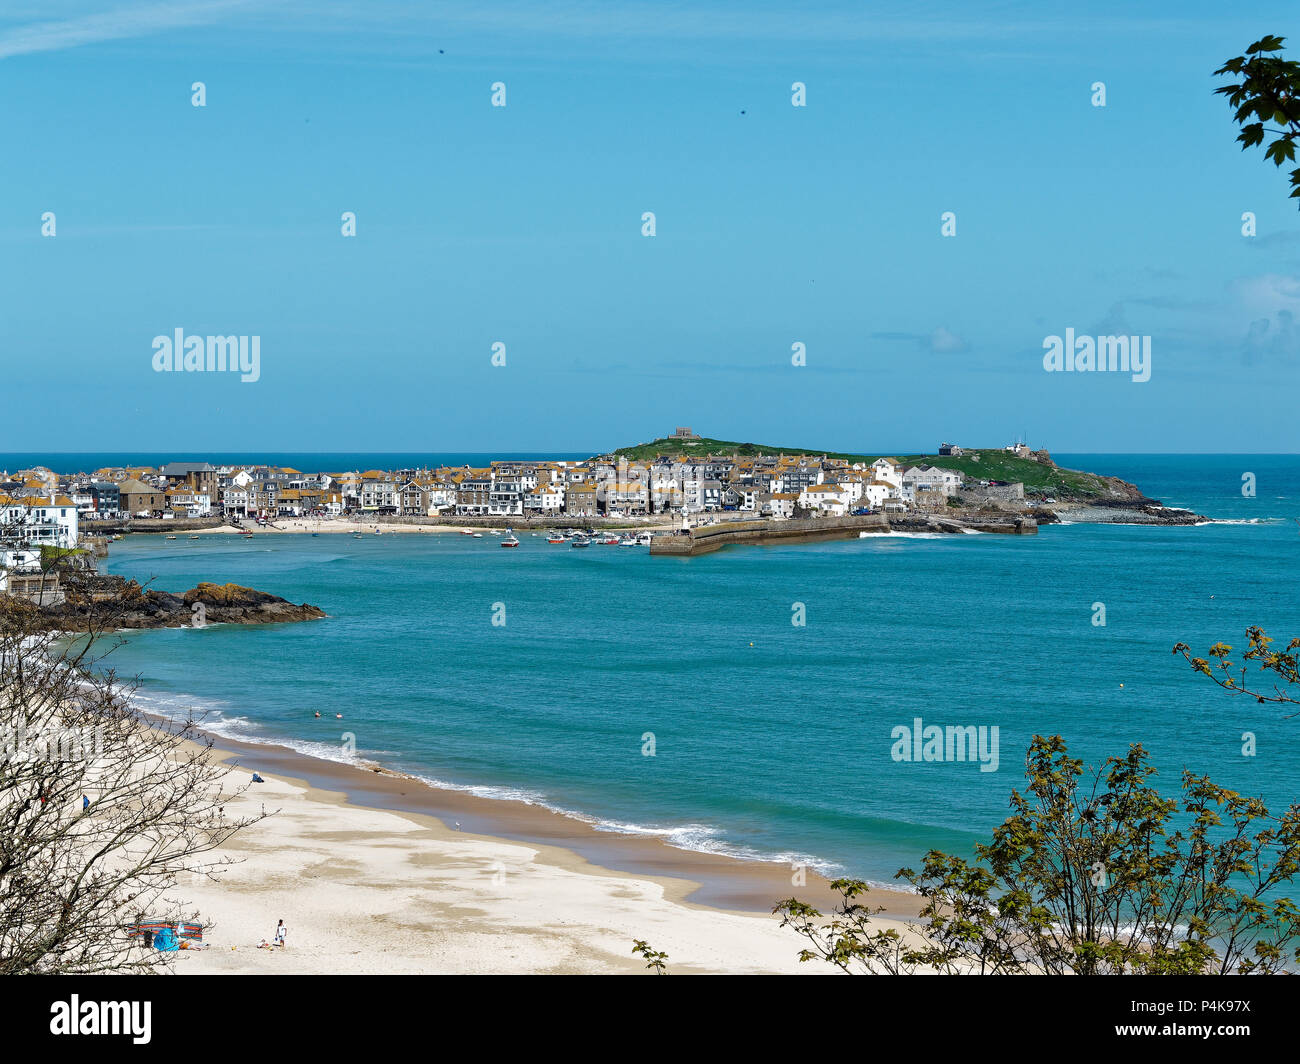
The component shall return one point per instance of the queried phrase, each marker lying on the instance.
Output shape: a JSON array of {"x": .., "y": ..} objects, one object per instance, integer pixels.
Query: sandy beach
[
  {"x": 365, "y": 886},
  {"x": 318, "y": 525}
]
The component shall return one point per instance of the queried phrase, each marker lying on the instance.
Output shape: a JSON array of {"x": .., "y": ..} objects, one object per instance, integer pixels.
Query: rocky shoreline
[
  {"x": 105, "y": 603},
  {"x": 1107, "y": 512},
  {"x": 1103, "y": 500}
]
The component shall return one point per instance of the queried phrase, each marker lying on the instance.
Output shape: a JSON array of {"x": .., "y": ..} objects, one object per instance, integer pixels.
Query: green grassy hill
[{"x": 993, "y": 464}]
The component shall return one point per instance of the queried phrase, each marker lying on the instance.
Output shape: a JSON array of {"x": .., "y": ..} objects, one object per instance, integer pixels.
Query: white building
[
  {"x": 194, "y": 503},
  {"x": 876, "y": 492},
  {"x": 888, "y": 471},
  {"x": 38, "y": 521},
  {"x": 17, "y": 561},
  {"x": 782, "y": 504},
  {"x": 931, "y": 478},
  {"x": 547, "y": 500},
  {"x": 830, "y": 500}
]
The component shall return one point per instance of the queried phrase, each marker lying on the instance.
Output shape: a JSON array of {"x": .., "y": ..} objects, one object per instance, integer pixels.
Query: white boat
[
  {"x": 477, "y": 535},
  {"x": 556, "y": 537},
  {"x": 627, "y": 541},
  {"x": 644, "y": 538},
  {"x": 509, "y": 541},
  {"x": 579, "y": 541},
  {"x": 170, "y": 536}
]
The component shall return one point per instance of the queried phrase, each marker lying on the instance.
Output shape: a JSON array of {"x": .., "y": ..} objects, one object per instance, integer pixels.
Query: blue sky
[{"x": 522, "y": 225}]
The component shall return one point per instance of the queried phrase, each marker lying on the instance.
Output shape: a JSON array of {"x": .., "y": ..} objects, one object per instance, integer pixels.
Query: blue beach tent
[{"x": 165, "y": 940}]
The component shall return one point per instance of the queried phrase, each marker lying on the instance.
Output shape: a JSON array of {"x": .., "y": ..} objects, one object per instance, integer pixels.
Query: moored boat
[
  {"x": 580, "y": 541},
  {"x": 510, "y": 540}
]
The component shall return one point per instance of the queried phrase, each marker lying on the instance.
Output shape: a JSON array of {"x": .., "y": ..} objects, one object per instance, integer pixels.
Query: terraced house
[
  {"x": 506, "y": 496},
  {"x": 545, "y": 500},
  {"x": 474, "y": 493},
  {"x": 580, "y": 500},
  {"x": 379, "y": 492}
]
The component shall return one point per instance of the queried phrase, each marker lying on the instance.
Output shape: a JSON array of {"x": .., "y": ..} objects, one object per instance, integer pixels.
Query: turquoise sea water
[{"x": 770, "y": 739}]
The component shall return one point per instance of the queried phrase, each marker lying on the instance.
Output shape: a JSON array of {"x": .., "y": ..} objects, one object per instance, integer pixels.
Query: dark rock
[{"x": 112, "y": 602}]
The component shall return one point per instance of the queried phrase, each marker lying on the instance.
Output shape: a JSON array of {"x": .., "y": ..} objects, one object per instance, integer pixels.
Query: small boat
[
  {"x": 170, "y": 536},
  {"x": 580, "y": 541},
  {"x": 608, "y": 541},
  {"x": 556, "y": 537},
  {"x": 509, "y": 541},
  {"x": 466, "y": 531},
  {"x": 627, "y": 541},
  {"x": 477, "y": 535},
  {"x": 356, "y": 535},
  {"x": 643, "y": 540},
  {"x": 315, "y": 534},
  {"x": 194, "y": 535},
  {"x": 245, "y": 535}
]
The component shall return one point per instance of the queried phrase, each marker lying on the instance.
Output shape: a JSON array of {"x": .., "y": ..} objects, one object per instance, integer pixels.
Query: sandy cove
[{"x": 364, "y": 888}]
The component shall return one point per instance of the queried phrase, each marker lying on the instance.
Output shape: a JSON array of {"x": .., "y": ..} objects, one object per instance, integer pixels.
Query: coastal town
[
  {"x": 606, "y": 485},
  {"x": 676, "y": 484},
  {"x": 776, "y": 485}
]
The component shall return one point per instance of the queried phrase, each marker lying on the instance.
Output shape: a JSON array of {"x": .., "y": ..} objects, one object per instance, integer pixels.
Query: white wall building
[
  {"x": 948, "y": 481},
  {"x": 39, "y": 521},
  {"x": 829, "y": 499},
  {"x": 888, "y": 471}
]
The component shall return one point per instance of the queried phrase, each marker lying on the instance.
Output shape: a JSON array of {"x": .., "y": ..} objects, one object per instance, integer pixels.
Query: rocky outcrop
[
  {"x": 1140, "y": 511},
  {"x": 118, "y": 603},
  {"x": 1121, "y": 490}
]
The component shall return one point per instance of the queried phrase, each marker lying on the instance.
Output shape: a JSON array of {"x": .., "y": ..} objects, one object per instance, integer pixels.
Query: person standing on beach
[{"x": 280, "y": 932}]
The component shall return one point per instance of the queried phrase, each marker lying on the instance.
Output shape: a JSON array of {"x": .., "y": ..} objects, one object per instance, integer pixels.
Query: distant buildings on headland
[{"x": 52, "y": 508}]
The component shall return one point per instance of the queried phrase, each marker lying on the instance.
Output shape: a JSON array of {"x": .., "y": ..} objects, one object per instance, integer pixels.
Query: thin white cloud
[
  {"x": 118, "y": 24},
  {"x": 630, "y": 21}
]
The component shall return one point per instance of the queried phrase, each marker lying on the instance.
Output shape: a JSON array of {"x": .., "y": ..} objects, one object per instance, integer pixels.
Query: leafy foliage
[
  {"x": 654, "y": 959},
  {"x": 1225, "y": 673},
  {"x": 1088, "y": 877},
  {"x": 1268, "y": 93}
]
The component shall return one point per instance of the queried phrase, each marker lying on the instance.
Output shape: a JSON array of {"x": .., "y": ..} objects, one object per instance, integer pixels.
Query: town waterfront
[{"x": 770, "y": 739}]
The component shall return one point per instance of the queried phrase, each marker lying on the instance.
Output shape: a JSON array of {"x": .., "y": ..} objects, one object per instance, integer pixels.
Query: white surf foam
[{"x": 210, "y": 717}]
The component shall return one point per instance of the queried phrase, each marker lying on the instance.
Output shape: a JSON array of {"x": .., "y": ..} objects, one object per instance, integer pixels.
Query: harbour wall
[{"x": 759, "y": 533}]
